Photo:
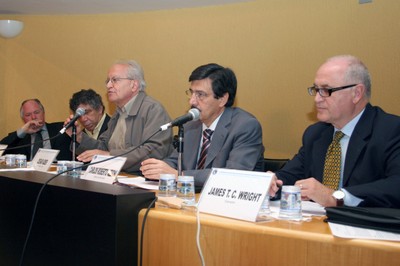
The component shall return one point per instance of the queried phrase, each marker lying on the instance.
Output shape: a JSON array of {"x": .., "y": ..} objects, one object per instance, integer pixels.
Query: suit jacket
[
  {"x": 236, "y": 144},
  {"x": 61, "y": 143},
  {"x": 372, "y": 163},
  {"x": 144, "y": 121}
]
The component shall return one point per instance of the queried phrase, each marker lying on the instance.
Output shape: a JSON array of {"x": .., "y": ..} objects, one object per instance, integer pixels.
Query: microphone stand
[
  {"x": 73, "y": 142},
  {"x": 180, "y": 149}
]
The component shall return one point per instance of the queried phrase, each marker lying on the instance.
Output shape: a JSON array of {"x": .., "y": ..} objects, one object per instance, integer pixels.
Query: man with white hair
[
  {"x": 137, "y": 118},
  {"x": 352, "y": 155}
]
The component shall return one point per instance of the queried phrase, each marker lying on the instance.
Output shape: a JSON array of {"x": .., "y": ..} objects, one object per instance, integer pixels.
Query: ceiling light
[{"x": 10, "y": 28}]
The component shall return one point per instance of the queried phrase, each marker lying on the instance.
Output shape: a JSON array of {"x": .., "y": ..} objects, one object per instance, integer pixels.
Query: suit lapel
[
  {"x": 358, "y": 141},
  {"x": 219, "y": 137},
  {"x": 193, "y": 133}
]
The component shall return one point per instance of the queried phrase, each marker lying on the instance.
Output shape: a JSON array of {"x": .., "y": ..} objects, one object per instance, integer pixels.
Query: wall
[{"x": 274, "y": 46}]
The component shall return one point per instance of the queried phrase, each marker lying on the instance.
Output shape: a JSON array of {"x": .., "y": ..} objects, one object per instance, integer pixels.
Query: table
[
  {"x": 170, "y": 239},
  {"x": 78, "y": 222}
]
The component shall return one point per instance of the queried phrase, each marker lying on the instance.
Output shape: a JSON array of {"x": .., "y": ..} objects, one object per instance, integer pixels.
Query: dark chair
[{"x": 274, "y": 164}]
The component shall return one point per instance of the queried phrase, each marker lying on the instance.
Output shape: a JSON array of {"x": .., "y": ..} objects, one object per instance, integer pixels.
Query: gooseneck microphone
[
  {"x": 193, "y": 114},
  {"x": 79, "y": 112}
]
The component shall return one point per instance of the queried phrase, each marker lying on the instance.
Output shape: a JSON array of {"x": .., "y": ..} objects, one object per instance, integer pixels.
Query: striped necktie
[
  {"x": 332, "y": 166},
  {"x": 207, "y": 133}
]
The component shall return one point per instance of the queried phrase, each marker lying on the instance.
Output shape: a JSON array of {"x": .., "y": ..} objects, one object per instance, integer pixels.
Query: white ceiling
[{"x": 73, "y": 7}]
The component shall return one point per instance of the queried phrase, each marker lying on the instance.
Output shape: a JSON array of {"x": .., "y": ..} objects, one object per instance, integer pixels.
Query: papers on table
[
  {"x": 139, "y": 182},
  {"x": 346, "y": 231}
]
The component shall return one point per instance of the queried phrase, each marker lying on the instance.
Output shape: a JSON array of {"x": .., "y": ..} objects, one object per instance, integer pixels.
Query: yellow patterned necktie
[{"x": 333, "y": 162}]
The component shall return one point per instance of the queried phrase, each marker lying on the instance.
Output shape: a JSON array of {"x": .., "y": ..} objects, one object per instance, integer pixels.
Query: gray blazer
[
  {"x": 144, "y": 119},
  {"x": 236, "y": 144}
]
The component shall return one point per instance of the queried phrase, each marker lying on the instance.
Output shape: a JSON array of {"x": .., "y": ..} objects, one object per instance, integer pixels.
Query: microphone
[
  {"x": 79, "y": 112},
  {"x": 193, "y": 114}
]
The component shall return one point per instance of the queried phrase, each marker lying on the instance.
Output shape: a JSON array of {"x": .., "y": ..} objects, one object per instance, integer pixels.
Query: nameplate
[
  {"x": 105, "y": 169},
  {"x": 234, "y": 193},
  {"x": 3, "y": 147},
  {"x": 43, "y": 159}
]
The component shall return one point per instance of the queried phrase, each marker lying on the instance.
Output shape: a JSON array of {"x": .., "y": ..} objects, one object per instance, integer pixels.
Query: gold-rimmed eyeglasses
[
  {"x": 114, "y": 80},
  {"x": 200, "y": 95}
]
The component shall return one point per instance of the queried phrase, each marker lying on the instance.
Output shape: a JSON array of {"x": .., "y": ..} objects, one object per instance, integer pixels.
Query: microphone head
[
  {"x": 80, "y": 111},
  {"x": 195, "y": 113}
]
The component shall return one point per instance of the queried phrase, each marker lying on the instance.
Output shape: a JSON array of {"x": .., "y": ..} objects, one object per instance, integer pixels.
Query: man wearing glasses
[
  {"x": 224, "y": 136},
  {"x": 352, "y": 155},
  {"x": 138, "y": 119}
]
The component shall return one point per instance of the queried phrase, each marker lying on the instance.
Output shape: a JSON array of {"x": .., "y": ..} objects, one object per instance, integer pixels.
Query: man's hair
[
  {"x": 21, "y": 111},
  {"x": 134, "y": 72},
  {"x": 89, "y": 97},
  {"x": 356, "y": 72},
  {"x": 223, "y": 80}
]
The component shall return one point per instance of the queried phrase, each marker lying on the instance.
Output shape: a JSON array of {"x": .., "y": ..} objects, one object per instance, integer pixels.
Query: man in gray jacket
[
  {"x": 137, "y": 118},
  {"x": 223, "y": 137}
]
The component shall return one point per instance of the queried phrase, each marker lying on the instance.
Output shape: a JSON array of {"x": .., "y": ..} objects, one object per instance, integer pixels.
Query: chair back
[{"x": 274, "y": 164}]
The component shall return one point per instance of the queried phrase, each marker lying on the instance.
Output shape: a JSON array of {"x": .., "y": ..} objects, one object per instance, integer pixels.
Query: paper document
[
  {"x": 139, "y": 182},
  {"x": 346, "y": 231}
]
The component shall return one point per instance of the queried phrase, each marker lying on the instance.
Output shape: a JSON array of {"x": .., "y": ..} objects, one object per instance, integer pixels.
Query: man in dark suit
[
  {"x": 95, "y": 120},
  {"x": 236, "y": 136},
  {"x": 21, "y": 141},
  {"x": 370, "y": 147}
]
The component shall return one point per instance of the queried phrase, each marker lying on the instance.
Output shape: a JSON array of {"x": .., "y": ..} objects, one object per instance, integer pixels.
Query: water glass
[
  {"x": 185, "y": 189},
  {"x": 167, "y": 185},
  {"x": 290, "y": 206},
  {"x": 74, "y": 169}
]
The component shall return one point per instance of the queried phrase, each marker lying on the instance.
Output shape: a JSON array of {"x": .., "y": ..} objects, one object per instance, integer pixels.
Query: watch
[{"x": 338, "y": 195}]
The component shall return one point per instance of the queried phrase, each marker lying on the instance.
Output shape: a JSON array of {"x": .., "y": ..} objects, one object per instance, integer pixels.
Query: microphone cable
[
  {"x": 53, "y": 177},
  {"x": 31, "y": 144},
  {"x": 198, "y": 236},
  {"x": 142, "y": 230}
]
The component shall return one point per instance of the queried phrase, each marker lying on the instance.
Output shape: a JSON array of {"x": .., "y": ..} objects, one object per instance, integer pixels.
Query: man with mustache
[
  {"x": 233, "y": 135},
  {"x": 95, "y": 119}
]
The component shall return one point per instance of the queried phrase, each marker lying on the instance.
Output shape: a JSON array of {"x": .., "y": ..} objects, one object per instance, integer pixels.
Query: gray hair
[
  {"x": 356, "y": 72},
  {"x": 135, "y": 72},
  {"x": 21, "y": 111}
]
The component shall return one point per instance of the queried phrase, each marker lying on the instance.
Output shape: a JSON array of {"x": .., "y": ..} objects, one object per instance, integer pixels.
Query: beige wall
[{"x": 274, "y": 46}]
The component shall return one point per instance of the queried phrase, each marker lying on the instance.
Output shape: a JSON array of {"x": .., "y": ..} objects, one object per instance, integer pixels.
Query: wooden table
[{"x": 170, "y": 239}]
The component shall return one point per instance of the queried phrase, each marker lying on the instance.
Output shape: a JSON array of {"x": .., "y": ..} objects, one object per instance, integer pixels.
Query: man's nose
[{"x": 193, "y": 100}]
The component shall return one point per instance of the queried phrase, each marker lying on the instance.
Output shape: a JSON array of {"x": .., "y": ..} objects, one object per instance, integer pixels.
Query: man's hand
[
  {"x": 87, "y": 156},
  {"x": 312, "y": 189},
  {"x": 152, "y": 168},
  {"x": 32, "y": 126},
  {"x": 79, "y": 129},
  {"x": 275, "y": 185}
]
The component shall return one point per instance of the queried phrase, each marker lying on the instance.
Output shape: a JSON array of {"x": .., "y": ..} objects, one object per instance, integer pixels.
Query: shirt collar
[
  {"x": 214, "y": 124},
  {"x": 349, "y": 127}
]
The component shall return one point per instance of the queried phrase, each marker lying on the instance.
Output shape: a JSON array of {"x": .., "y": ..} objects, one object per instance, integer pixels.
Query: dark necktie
[
  {"x": 38, "y": 143},
  {"x": 207, "y": 133},
  {"x": 333, "y": 162}
]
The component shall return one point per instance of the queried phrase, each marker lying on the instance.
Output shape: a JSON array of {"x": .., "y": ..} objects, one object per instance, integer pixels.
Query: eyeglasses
[
  {"x": 114, "y": 80},
  {"x": 326, "y": 92},
  {"x": 200, "y": 95}
]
